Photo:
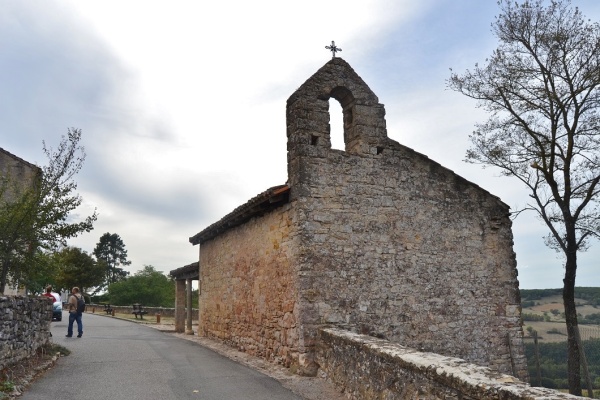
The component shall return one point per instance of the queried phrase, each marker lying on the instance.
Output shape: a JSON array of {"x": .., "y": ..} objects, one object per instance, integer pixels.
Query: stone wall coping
[{"x": 450, "y": 370}]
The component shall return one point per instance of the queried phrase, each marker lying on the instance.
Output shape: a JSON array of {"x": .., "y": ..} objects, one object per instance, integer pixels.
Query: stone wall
[
  {"x": 24, "y": 327},
  {"x": 248, "y": 288},
  {"x": 393, "y": 244},
  {"x": 369, "y": 368}
]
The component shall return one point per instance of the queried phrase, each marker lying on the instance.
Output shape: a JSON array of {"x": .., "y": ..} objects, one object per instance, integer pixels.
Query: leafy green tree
[
  {"x": 532, "y": 317},
  {"x": 529, "y": 329},
  {"x": 111, "y": 250},
  {"x": 17, "y": 205},
  {"x": 148, "y": 287},
  {"x": 541, "y": 87},
  {"x": 592, "y": 319},
  {"x": 44, "y": 273},
  {"x": 40, "y": 218},
  {"x": 77, "y": 268},
  {"x": 554, "y": 362}
]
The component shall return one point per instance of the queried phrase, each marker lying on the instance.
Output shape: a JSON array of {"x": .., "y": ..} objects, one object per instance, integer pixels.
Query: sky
[{"x": 182, "y": 104}]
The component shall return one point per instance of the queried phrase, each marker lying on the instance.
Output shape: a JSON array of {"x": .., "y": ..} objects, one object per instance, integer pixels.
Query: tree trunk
[
  {"x": 4, "y": 275},
  {"x": 573, "y": 360},
  {"x": 537, "y": 358},
  {"x": 584, "y": 364}
]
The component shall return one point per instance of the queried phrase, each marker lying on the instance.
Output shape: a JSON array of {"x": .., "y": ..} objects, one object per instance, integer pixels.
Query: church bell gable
[{"x": 308, "y": 127}]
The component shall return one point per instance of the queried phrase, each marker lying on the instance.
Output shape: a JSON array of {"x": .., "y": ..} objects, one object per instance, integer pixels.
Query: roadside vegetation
[
  {"x": 148, "y": 287},
  {"x": 15, "y": 378}
]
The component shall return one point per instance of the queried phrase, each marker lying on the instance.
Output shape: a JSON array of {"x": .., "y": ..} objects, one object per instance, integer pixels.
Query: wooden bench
[
  {"x": 108, "y": 309},
  {"x": 138, "y": 309}
]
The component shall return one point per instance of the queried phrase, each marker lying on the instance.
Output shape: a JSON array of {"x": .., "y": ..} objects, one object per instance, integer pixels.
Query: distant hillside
[
  {"x": 589, "y": 294},
  {"x": 542, "y": 312},
  {"x": 546, "y": 305}
]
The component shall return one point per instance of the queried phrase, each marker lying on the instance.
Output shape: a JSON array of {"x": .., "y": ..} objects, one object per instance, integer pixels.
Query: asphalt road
[{"x": 117, "y": 359}]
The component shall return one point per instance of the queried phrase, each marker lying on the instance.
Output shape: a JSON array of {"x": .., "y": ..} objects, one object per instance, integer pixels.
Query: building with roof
[
  {"x": 375, "y": 239},
  {"x": 16, "y": 177}
]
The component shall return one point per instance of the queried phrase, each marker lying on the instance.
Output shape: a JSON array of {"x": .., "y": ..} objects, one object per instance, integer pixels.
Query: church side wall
[
  {"x": 248, "y": 288},
  {"x": 397, "y": 247}
]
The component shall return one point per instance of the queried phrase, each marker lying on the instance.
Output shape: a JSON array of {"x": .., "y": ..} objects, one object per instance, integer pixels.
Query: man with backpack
[{"x": 76, "y": 308}]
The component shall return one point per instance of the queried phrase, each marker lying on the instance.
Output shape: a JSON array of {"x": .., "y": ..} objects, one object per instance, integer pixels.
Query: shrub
[
  {"x": 527, "y": 304},
  {"x": 591, "y": 319},
  {"x": 532, "y": 317}
]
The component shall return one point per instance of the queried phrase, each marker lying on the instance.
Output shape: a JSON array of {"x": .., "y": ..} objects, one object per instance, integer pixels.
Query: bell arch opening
[
  {"x": 340, "y": 128},
  {"x": 336, "y": 125}
]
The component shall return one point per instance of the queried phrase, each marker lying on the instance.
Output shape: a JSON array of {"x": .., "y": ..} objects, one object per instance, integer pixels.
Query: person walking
[
  {"x": 74, "y": 314},
  {"x": 49, "y": 294}
]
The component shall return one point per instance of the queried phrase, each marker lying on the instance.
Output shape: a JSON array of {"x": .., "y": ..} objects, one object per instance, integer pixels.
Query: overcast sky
[{"x": 182, "y": 104}]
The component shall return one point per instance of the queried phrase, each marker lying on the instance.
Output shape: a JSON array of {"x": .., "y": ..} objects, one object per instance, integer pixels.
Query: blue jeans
[{"x": 72, "y": 318}]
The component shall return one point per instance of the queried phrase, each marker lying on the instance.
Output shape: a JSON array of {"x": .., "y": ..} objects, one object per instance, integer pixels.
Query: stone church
[{"x": 375, "y": 239}]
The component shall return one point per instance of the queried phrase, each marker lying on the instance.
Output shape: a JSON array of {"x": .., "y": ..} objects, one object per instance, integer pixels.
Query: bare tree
[{"x": 540, "y": 87}]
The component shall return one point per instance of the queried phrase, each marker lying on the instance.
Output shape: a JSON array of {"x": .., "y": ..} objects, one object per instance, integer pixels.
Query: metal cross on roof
[{"x": 333, "y": 48}]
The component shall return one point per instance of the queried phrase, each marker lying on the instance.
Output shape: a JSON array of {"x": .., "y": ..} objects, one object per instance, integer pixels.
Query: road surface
[{"x": 117, "y": 359}]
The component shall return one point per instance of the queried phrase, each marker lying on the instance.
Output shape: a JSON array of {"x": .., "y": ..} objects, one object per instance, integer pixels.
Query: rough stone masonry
[
  {"x": 24, "y": 327},
  {"x": 376, "y": 239}
]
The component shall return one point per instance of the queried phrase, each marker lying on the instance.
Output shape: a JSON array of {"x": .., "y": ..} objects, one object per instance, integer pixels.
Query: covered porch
[{"x": 183, "y": 296}]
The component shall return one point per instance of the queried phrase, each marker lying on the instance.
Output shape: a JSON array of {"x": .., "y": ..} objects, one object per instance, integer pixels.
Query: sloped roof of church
[{"x": 258, "y": 205}]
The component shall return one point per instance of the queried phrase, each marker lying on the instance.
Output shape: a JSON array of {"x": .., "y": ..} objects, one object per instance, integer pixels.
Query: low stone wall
[
  {"x": 24, "y": 327},
  {"x": 152, "y": 311},
  {"x": 369, "y": 368}
]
